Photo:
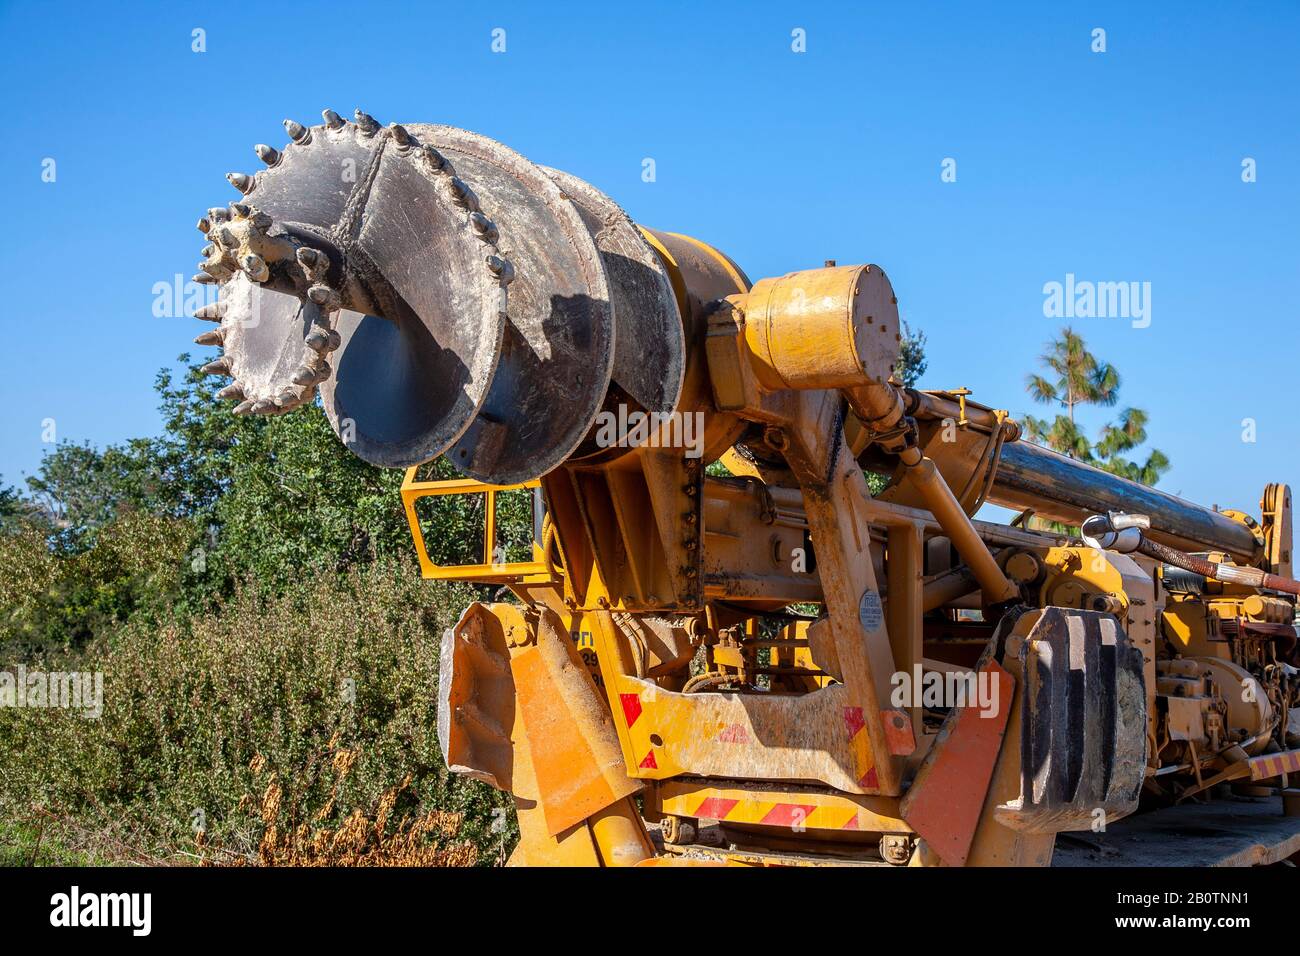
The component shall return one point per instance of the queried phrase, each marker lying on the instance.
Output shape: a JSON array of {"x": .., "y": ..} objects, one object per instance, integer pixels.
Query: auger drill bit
[{"x": 372, "y": 263}]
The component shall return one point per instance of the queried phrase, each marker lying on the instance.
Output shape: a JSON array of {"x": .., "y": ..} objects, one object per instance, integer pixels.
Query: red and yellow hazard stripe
[
  {"x": 794, "y": 811},
  {"x": 1274, "y": 765}
]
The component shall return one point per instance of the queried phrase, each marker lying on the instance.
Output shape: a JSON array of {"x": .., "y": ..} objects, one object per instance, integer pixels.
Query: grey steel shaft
[{"x": 1063, "y": 489}]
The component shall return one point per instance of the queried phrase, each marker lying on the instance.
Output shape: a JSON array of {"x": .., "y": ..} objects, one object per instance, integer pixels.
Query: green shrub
[
  {"x": 331, "y": 663},
  {"x": 58, "y": 599}
]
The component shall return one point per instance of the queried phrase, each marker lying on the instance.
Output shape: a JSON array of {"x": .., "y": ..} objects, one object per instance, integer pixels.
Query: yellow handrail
[{"x": 488, "y": 572}]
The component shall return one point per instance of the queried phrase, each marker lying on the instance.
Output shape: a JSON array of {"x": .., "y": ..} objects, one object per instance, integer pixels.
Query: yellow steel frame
[{"x": 489, "y": 572}]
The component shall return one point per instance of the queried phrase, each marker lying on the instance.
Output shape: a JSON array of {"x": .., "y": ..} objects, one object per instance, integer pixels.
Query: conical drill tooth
[
  {"x": 220, "y": 367},
  {"x": 244, "y": 408},
  {"x": 202, "y": 278},
  {"x": 265, "y": 406},
  {"x": 255, "y": 266},
  {"x": 314, "y": 262},
  {"x": 461, "y": 194},
  {"x": 366, "y": 123},
  {"x": 501, "y": 268},
  {"x": 226, "y": 236},
  {"x": 332, "y": 119},
  {"x": 213, "y": 337},
  {"x": 434, "y": 158},
  {"x": 204, "y": 225},
  {"x": 218, "y": 215},
  {"x": 317, "y": 340},
  {"x": 267, "y": 154},
  {"x": 400, "y": 136},
  {"x": 325, "y": 298},
  {"x": 289, "y": 397},
  {"x": 212, "y": 312},
  {"x": 240, "y": 210},
  {"x": 484, "y": 227},
  {"x": 241, "y": 181},
  {"x": 297, "y": 132},
  {"x": 232, "y": 392},
  {"x": 207, "y": 250},
  {"x": 304, "y": 375}
]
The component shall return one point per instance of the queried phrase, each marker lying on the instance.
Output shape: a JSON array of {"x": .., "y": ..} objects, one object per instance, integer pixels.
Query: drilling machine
[{"x": 703, "y": 655}]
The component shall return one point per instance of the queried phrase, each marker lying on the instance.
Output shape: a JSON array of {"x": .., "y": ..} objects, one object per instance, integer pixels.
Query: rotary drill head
[{"x": 443, "y": 294}]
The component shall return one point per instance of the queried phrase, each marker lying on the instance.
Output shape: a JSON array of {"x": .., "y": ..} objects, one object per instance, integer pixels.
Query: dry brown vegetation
[{"x": 426, "y": 838}]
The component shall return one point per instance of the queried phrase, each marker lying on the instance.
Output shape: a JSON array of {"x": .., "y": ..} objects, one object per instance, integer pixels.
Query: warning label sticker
[{"x": 870, "y": 613}]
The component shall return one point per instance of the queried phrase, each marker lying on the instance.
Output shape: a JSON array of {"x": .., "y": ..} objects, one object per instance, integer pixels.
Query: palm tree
[
  {"x": 1077, "y": 377},
  {"x": 1126, "y": 434},
  {"x": 1080, "y": 378},
  {"x": 1061, "y": 434}
]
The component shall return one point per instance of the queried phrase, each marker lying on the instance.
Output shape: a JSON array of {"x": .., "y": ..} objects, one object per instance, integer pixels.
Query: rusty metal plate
[{"x": 947, "y": 797}]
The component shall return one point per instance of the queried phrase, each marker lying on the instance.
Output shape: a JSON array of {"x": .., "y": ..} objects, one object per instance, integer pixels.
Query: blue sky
[{"x": 1115, "y": 166}]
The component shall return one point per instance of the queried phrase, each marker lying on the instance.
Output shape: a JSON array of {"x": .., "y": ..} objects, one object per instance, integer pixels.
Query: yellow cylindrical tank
[{"x": 835, "y": 327}]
